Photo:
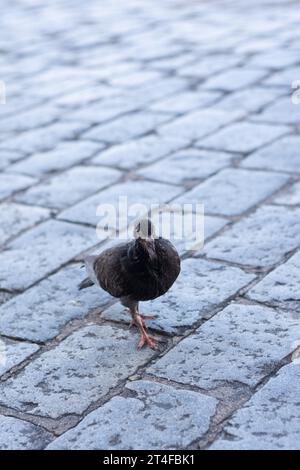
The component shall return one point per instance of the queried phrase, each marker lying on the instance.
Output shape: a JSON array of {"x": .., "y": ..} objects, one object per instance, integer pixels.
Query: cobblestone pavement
[{"x": 173, "y": 100}]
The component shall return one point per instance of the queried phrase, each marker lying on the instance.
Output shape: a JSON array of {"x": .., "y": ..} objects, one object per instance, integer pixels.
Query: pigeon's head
[
  {"x": 144, "y": 233},
  {"x": 144, "y": 229}
]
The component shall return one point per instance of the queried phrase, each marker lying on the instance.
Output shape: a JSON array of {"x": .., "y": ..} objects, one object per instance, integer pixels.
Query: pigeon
[{"x": 142, "y": 269}]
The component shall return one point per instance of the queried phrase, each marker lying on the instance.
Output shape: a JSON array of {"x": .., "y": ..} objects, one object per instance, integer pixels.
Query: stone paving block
[
  {"x": 135, "y": 192},
  {"x": 5, "y": 296},
  {"x": 242, "y": 343},
  {"x": 63, "y": 156},
  {"x": 258, "y": 45},
  {"x": 201, "y": 286},
  {"x": 85, "y": 96},
  {"x": 243, "y": 137},
  {"x": 163, "y": 417},
  {"x": 186, "y": 101},
  {"x": 281, "y": 286},
  {"x": 290, "y": 196},
  {"x": 70, "y": 187},
  {"x": 233, "y": 191},
  {"x": 209, "y": 65},
  {"x": 17, "y": 217},
  {"x": 16, "y": 434},
  {"x": 282, "y": 155},
  {"x": 32, "y": 119},
  {"x": 277, "y": 59},
  {"x": 251, "y": 241},
  {"x": 39, "y": 313},
  {"x": 7, "y": 156},
  {"x": 135, "y": 78},
  {"x": 283, "y": 111},
  {"x": 151, "y": 92},
  {"x": 187, "y": 166},
  {"x": 13, "y": 353},
  {"x": 100, "y": 112},
  {"x": 234, "y": 79},
  {"x": 76, "y": 373},
  {"x": 173, "y": 63},
  {"x": 270, "y": 420},
  {"x": 130, "y": 155},
  {"x": 54, "y": 86},
  {"x": 250, "y": 100},
  {"x": 126, "y": 127},
  {"x": 45, "y": 138},
  {"x": 284, "y": 77},
  {"x": 154, "y": 50},
  {"x": 41, "y": 250},
  {"x": 196, "y": 125},
  {"x": 11, "y": 183},
  {"x": 18, "y": 103}
]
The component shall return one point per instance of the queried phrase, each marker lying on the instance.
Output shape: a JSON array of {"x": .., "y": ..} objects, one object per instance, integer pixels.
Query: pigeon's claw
[{"x": 146, "y": 339}]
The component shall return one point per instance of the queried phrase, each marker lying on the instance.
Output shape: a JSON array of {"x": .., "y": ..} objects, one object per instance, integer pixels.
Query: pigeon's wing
[
  {"x": 109, "y": 271},
  {"x": 168, "y": 262}
]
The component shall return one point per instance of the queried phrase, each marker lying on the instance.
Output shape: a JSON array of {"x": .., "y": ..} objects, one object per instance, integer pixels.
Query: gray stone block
[
  {"x": 161, "y": 416},
  {"x": 76, "y": 373},
  {"x": 281, "y": 286},
  {"x": 282, "y": 155},
  {"x": 70, "y": 187},
  {"x": 242, "y": 343},
  {"x": 16, "y": 434},
  {"x": 40, "y": 251},
  {"x": 270, "y": 420},
  {"x": 243, "y": 137},
  {"x": 17, "y": 217},
  {"x": 187, "y": 166},
  {"x": 39, "y": 313},
  {"x": 251, "y": 240},
  {"x": 233, "y": 191},
  {"x": 13, "y": 353}
]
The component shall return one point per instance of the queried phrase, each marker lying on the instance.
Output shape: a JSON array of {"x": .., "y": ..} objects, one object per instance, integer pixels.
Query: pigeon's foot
[{"x": 146, "y": 339}]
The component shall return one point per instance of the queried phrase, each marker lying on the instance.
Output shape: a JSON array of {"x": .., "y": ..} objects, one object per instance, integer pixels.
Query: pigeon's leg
[
  {"x": 145, "y": 338},
  {"x": 139, "y": 321},
  {"x": 132, "y": 306}
]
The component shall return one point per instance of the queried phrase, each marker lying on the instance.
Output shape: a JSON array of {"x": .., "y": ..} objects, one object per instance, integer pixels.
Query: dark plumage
[{"x": 142, "y": 269}]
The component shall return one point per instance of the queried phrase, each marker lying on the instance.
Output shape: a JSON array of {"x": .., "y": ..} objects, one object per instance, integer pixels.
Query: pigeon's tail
[{"x": 85, "y": 283}]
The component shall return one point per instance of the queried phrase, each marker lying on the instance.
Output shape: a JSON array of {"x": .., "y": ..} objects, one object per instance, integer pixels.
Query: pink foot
[{"x": 146, "y": 339}]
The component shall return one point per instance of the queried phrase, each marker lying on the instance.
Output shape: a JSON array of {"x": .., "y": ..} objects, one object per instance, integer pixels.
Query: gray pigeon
[{"x": 142, "y": 269}]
